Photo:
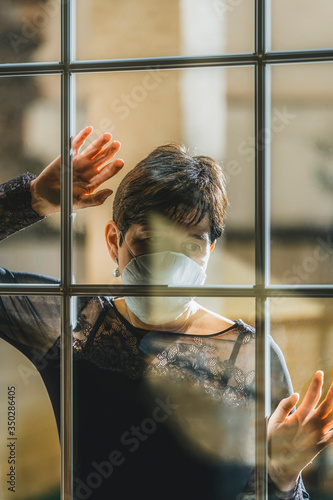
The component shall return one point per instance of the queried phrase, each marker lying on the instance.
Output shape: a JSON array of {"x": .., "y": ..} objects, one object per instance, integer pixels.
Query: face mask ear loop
[{"x": 128, "y": 248}]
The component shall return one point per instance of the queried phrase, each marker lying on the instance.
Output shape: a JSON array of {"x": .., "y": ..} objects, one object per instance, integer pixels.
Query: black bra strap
[
  {"x": 237, "y": 347},
  {"x": 99, "y": 321},
  {"x": 227, "y": 374}
]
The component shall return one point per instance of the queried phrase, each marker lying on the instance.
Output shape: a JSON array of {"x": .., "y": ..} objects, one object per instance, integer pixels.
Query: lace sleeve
[
  {"x": 29, "y": 321},
  {"x": 15, "y": 205}
]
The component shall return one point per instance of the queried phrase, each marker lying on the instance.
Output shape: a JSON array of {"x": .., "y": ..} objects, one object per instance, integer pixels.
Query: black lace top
[{"x": 156, "y": 414}]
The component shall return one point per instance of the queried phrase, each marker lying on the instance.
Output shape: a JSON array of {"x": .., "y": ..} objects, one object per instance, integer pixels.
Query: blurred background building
[{"x": 210, "y": 110}]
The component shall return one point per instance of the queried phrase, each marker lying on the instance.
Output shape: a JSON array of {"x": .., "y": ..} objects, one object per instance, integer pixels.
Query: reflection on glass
[
  {"x": 173, "y": 402},
  {"x": 302, "y": 183},
  {"x": 305, "y": 327},
  {"x": 301, "y": 24},
  {"x": 30, "y": 124},
  {"x": 177, "y": 27},
  {"x": 208, "y": 110},
  {"x": 30, "y": 31},
  {"x": 164, "y": 253},
  {"x": 29, "y": 326},
  {"x": 169, "y": 403}
]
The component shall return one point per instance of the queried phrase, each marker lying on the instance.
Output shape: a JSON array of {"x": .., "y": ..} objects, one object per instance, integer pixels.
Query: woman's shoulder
[
  {"x": 202, "y": 323},
  {"x": 212, "y": 323}
]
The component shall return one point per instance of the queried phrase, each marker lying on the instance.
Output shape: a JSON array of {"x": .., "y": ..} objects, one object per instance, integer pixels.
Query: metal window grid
[{"x": 261, "y": 59}]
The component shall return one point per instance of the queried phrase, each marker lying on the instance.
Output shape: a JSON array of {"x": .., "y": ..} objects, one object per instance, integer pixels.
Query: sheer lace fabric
[
  {"x": 15, "y": 205},
  {"x": 204, "y": 445}
]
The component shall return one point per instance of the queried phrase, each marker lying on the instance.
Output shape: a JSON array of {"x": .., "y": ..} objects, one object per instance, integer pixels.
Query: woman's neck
[{"x": 180, "y": 325}]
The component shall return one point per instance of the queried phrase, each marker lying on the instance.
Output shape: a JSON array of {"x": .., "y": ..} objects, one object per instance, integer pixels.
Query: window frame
[{"x": 261, "y": 60}]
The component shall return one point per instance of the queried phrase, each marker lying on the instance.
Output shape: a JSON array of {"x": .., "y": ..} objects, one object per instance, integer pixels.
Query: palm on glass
[
  {"x": 91, "y": 168},
  {"x": 295, "y": 439}
]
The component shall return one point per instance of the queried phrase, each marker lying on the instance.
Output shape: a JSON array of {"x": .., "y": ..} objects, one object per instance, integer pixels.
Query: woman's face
[{"x": 162, "y": 234}]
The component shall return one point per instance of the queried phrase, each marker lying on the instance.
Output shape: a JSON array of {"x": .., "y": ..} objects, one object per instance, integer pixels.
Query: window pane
[
  {"x": 301, "y": 24},
  {"x": 127, "y": 29},
  {"x": 30, "y": 380},
  {"x": 30, "y": 127},
  {"x": 30, "y": 31},
  {"x": 175, "y": 396},
  {"x": 305, "y": 327},
  {"x": 302, "y": 180},
  {"x": 208, "y": 110}
]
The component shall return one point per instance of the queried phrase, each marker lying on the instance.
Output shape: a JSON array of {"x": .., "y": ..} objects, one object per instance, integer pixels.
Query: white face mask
[{"x": 162, "y": 268}]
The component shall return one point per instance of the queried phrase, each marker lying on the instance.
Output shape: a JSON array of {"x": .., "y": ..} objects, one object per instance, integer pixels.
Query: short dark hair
[{"x": 172, "y": 182}]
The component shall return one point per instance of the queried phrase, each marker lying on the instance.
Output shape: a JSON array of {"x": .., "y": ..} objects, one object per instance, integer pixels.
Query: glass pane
[
  {"x": 113, "y": 30},
  {"x": 208, "y": 110},
  {"x": 30, "y": 31},
  {"x": 302, "y": 180},
  {"x": 181, "y": 407},
  {"x": 29, "y": 391},
  {"x": 30, "y": 124},
  {"x": 305, "y": 327},
  {"x": 301, "y": 24}
]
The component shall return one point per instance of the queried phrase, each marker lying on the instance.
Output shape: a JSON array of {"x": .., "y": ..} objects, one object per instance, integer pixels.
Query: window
[{"x": 260, "y": 103}]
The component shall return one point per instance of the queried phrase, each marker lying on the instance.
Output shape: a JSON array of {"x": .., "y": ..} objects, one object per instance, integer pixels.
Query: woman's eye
[{"x": 193, "y": 247}]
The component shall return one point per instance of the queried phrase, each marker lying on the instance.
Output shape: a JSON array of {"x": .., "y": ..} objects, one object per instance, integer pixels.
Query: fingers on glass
[
  {"x": 326, "y": 407},
  {"x": 97, "y": 145},
  {"x": 95, "y": 199},
  {"x": 107, "y": 152},
  {"x": 81, "y": 137},
  {"x": 312, "y": 395},
  {"x": 106, "y": 172}
]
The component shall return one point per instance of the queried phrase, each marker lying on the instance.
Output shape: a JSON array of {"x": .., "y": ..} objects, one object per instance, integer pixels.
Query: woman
[{"x": 163, "y": 388}]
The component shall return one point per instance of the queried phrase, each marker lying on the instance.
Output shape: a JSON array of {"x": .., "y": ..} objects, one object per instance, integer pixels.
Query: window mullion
[
  {"x": 262, "y": 226},
  {"x": 66, "y": 373}
]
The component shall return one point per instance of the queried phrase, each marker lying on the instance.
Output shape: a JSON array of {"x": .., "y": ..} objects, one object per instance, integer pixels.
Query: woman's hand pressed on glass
[
  {"x": 295, "y": 439},
  {"x": 91, "y": 168}
]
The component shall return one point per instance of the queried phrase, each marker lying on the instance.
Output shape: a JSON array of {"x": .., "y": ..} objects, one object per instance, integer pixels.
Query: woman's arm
[
  {"x": 29, "y": 321},
  {"x": 28, "y": 199},
  {"x": 16, "y": 211},
  {"x": 35, "y": 321},
  {"x": 281, "y": 388}
]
